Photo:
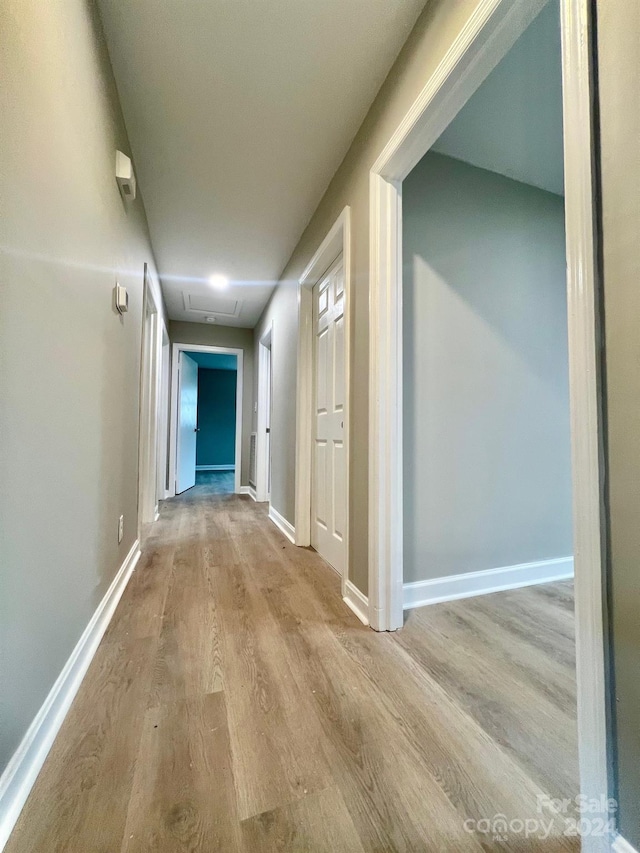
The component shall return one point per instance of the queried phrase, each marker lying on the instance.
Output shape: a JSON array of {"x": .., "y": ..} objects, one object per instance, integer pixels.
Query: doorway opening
[
  {"x": 150, "y": 490},
  {"x": 485, "y": 42},
  {"x": 265, "y": 397},
  {"x": 206, "y": 423}
]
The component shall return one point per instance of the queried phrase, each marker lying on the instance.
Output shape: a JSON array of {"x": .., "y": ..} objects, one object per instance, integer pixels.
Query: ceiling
[
  {"x": 513, "y": 123},
  {"x": 239, "y": 112},
  {"x": 214, "y": 360}
]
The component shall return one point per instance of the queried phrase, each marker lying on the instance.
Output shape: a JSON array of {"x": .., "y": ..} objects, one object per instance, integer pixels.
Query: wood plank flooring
[{"x": 236, "y": 704}]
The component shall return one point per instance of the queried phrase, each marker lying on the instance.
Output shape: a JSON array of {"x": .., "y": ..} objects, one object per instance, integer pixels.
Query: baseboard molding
[
  {"x": 356, "y": 601},
  {"x": 23, "y": 768},
  {"x": 215, "y": 467},
  {"x": 283, "y": 525},
  {"x": 450, "y": 588},
  {"x": 621, "y": 845},
  {"x": 246, "y": 490}
]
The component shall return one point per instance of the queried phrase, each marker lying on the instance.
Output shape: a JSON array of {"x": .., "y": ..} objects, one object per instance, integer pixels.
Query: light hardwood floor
[{"x": 236, "y": 704}]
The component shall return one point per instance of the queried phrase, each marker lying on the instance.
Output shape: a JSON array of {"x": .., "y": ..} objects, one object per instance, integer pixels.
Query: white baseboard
[
  {"x": 23, "y": 768},
  {"x": 449, "y": 588},
  {"x": 245, "y": 490},
  {"x": 215, "y": 467},
  {"x": 621, "y": 845},
  {"x": 357, "y": 601},
  {"x": 283, "y": 525}
]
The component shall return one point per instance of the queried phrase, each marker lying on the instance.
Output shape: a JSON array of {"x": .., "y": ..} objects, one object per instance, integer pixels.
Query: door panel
[
  {"x": 187, "y": 423},
  {"x": 339, "y": 492},
  {"x": 321, "y": 484},
  {"x": 338, "y": 362},
  {"x": 328, "y": 491}
]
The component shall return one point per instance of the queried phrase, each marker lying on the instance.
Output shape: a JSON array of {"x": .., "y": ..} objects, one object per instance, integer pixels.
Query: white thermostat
[
  {"x": 121, "y": 298},
  {"x": 124, "y": 176}
]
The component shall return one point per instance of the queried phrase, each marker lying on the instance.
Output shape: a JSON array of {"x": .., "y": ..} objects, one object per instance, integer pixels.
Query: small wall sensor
[
  {"x": 121, "y": 298},
  {"x": 125, "y": 177}
]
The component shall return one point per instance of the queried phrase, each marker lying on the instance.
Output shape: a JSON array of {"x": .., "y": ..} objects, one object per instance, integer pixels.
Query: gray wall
[
  {"x": 619, "y": 84},
  {"x": 69, "y": 364},
  {"x": 225, "y": 336},
  {"x": 487, "y": 477},
  {"x": 435, "y": 31},
  {"x": 216, "y": 440}
]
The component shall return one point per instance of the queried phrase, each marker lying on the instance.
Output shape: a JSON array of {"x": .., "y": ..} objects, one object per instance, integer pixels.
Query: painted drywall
[
  {"x": 619, "y": 90},
  {"x": 487, "y": 474},
  {"x": 216, "y": 441},
  {"x": 513, "y": 123},
  {"x": 435, "y": 31},
  {"x": 226, "y": 336},
  {"x": 69, "y": 377}
]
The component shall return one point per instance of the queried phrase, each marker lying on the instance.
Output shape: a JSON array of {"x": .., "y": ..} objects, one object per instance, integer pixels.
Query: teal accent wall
[{"x": 216, "y": 444}]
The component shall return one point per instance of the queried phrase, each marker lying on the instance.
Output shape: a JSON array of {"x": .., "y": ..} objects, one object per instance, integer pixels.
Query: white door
[
  {"x": 187, "y": 422},
  {"x": 328, "y": 504}
]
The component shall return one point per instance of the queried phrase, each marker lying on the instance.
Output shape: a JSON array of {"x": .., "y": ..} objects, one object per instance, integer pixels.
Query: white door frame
[
  {"x": 488, "y": 35},
  {"x": 150, "y": 379},
  {"x": 265, "y": 373},
  {"x": 163, "y": 413},
  {"x": 173, "y": 438},
  {"x": 337, "y": 241}
]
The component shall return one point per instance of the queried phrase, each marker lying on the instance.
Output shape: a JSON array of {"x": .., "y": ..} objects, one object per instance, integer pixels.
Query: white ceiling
[
  {"x": 239, "y": 113},
  {"x": 513, "y": 123}
]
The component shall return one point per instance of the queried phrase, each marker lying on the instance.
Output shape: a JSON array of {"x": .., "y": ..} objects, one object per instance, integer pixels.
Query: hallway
[{"x": 236, "y": 704}]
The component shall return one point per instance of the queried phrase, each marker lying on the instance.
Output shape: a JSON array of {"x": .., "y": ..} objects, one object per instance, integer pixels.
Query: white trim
[
  {"x": 621, "y": 845},
  {"x": 337, "y": 241},
  {"x": 215, "y": 467},
  {"x": 163, "y": 411},
  {"x": 586, "y": 414},
  {"x": 282, "y": 524},
  {"x": 356, "y": 601},
  {"x": 265, "y": 395},
  {"x": 23, "y": 768},
  {"x": 176, "y": 349},
  {"x": 248, "y": 490},
  {"x": 488, "y": 34},
  {"x": 452, "y": 587},
  {"x": 149, "y": 403}
]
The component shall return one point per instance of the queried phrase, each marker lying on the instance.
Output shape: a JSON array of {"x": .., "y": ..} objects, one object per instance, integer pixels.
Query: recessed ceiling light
[
  {"x": 210, "y": 319},
  {"x": 219, "y": 281}
]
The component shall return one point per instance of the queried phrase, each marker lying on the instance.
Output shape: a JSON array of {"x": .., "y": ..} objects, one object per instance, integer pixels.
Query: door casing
[
  {"x": 173, "y": 439},
  {"x": 149, "y": 406},
  {"x": 485, "y": 39},
  {"x": 263, "y": 421}
]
